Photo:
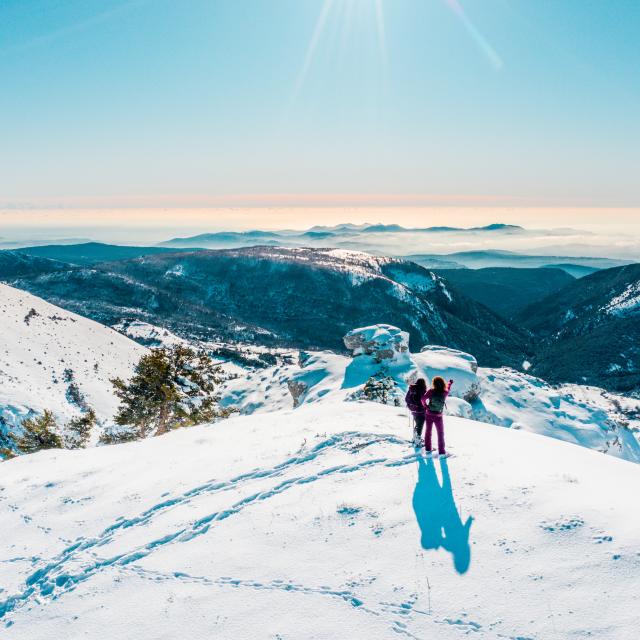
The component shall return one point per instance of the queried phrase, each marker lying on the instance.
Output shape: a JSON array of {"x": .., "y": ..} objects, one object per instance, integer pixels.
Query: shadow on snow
[{"x": 437, "y": 515}]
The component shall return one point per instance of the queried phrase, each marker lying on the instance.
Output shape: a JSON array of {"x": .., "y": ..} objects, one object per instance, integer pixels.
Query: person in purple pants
[
  {"x": 414, "y": 403},
  {"x": 433, "y": 402}
]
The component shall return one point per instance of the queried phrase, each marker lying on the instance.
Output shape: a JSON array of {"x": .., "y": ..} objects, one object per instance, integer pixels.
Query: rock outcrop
[{"x": 382, "y": 341}]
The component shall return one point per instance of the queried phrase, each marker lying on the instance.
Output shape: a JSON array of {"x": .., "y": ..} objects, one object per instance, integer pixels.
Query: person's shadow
[{"x": 437, "y": 515}]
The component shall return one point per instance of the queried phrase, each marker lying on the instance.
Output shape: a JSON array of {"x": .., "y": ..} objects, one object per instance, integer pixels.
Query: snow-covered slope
[
  {"x": 582, "y": 415},
  {"x": 321, "y": 523},
  {"x": 44, "y": 350}
]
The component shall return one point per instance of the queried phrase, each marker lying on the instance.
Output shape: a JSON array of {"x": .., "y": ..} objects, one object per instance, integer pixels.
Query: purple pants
[{"x": 435, "y": 418}]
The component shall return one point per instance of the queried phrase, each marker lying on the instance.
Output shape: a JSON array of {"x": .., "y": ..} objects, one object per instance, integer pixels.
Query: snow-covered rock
[
  {"x": 381, "y": 341},
  {"x": 450, "y": 364},
  {"x": 50, "y": 358},
  {"x": 320, "y": 523}
]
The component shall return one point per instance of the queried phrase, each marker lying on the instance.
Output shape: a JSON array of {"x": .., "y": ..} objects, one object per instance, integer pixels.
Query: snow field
[{"x": 321, "y": 522}]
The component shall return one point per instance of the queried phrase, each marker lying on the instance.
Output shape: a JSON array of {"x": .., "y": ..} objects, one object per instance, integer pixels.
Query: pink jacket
[{"x": 427, "y": 396}]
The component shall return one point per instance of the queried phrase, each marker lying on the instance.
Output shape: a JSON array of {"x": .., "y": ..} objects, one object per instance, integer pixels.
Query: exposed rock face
[
  {"x": 297, "y": 389},
  {"x": 303, "y": 359},
  {"x": 382, "y": 341},
  {"x": 380, "y": 388}
]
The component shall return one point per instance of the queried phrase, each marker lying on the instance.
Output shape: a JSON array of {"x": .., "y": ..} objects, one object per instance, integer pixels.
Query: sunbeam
[
  {"x": 313, "y": 45},
  {"x": 475, "y": 33},
  {"x": 382, "y": 38},
  {"x": 342, "y": 13}
]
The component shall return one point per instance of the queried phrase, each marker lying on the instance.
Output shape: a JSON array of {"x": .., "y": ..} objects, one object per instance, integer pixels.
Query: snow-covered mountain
[
  {"x": 584, "y": 332},
  {"x": 590, "y": 331},
  {"x": 300, "y": 298},
  {"x": 56, "y": 360},
  {"x": 321, "y": 522}
]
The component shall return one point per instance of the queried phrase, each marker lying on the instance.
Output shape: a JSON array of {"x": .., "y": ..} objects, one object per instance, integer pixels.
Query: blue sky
[{"x": 277, "y": 102}]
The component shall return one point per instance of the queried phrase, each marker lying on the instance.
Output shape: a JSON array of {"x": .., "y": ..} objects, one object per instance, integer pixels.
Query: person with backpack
[
  {"x": 414, "y": 404},
  {"x": 433, "y": 402}
]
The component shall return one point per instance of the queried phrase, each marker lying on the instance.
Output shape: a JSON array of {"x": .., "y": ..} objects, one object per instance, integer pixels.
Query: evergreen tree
[
  {"x": 171, "y": 388},
  {"x": 78, "y": 430},
  {"x": 39, "y": 433},
  {"x": 115, "y": 434},
  {"x": 7, "y": 443}
]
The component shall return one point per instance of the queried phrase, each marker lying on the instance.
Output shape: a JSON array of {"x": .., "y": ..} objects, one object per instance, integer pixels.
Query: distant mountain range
[
  {"x": 488, "y": 246},
  {"x": 575, "y": 266},
  {"x": 215, "y": 240}
]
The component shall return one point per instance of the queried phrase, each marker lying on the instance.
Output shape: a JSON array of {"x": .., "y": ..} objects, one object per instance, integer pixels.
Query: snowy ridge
[
  {"x": 45, "y": 349},
  {"x": 329, "y": 513},
  {"x": 586, "y": 416},
  {"x": 627, "y": 302}
]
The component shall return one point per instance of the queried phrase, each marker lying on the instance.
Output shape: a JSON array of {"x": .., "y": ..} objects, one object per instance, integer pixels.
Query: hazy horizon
[{"x": 594, "y": 232}]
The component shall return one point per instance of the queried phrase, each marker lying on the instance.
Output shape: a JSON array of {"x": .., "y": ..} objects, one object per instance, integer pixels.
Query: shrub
[{"x": 38, "y": 434}]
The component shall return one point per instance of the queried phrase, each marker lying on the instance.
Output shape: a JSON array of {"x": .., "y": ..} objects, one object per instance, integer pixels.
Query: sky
[{"x": 481, "y": 108}]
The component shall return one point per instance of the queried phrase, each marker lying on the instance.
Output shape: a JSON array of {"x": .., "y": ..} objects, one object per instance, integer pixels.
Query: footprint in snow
[{"x": 562, "y": 525}]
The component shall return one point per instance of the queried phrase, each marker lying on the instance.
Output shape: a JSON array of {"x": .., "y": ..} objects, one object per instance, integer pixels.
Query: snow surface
[
  {"x": 321, "y": 523},
  {"x": 37, "y": 347}
]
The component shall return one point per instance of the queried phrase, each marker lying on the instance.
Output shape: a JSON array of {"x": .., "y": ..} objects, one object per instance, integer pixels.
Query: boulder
[
  {"x": 434, "y": 360},
  {"x": 381, "y": 341},
  {"x": 297, "y": 389}
]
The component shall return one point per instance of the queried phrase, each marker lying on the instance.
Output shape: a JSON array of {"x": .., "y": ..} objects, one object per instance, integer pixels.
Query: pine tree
[
  {"x": 7, "y": 442},
  {"x": 114, "y": 434},
  {"x": 78, "y": 430},
  {"x": 171, "y": 388},
  {"x": 39, "y": 433}
]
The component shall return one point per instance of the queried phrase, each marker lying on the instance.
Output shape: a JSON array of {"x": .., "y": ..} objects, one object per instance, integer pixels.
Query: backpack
[
  {"x": 414, "y": 400},
  {"x": 437, "y": 403}
]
